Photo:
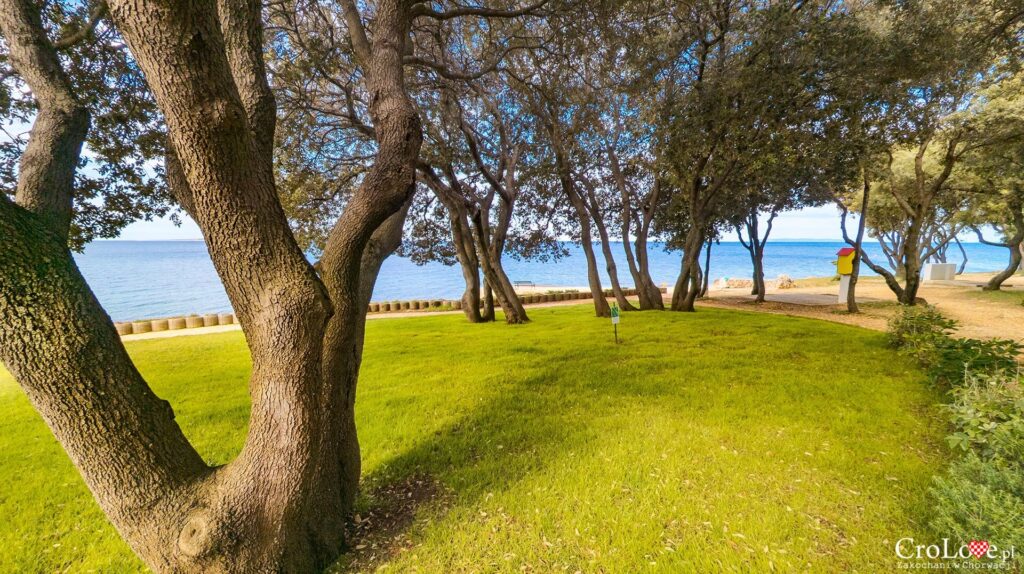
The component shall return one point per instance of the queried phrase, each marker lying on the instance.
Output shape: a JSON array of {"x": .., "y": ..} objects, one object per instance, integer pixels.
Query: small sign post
[{"x": 615, "y": 321}]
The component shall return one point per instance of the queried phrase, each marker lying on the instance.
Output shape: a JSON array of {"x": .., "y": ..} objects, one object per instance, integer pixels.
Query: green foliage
[
  {"x": 979, "y": 499},
  {"x": 558, "y": 450},
  {"x": 987, "y": 413},
  {"x": 917, "y": 323},
  {"x": 982, "y": 495},
  {"x": 925, "y": 334}
]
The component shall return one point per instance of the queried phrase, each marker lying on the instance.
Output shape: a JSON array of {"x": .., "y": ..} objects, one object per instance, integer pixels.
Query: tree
[
  {"x": 121, "y": 180},
  {"x": 994, "y": 177},
  {"x": 543, "y": 84},
  {"x": 717, "y": 57},
  {"x": 281, "y": 504},
  {"x": 945, "y": 52},
  {"x": 476, "y": 172}
]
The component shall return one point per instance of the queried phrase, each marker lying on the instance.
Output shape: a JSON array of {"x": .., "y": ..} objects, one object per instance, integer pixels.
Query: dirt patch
[
  {"x": 980, "y": 315},
  {"x": 381, "y": 533}
]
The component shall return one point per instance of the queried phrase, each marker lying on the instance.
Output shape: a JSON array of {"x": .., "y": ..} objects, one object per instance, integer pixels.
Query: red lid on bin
[{"x": 845, "y": 251}]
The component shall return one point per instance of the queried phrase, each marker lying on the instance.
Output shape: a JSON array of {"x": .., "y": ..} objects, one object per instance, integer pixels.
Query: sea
[{"x": 146, "y": 279}]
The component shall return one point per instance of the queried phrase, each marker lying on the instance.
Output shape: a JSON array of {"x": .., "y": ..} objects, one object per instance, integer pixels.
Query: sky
[{"x": 821, "y": 223}]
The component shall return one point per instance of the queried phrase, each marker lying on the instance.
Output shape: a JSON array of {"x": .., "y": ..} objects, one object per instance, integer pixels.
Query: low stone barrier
[
  {"x": 173, "y": 323},
  {"x": 424, "y": 305}
]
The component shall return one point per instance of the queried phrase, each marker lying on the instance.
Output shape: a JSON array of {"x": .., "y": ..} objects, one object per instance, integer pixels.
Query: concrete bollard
[
  {"x": 415, "y": 305},
  {"x": 175, "y": 323},
  {"x": 406, "y": 305},
  {"x": 225, "y": 318},
  {"x": 210, "y": 320},
  {"x": 375, "y": 307},
  {"x": 141, "y": 327},
  {"x": 158, "y": 324},
  {"x": 457, "y": 304},
  {"x": 396, "y": 305},
  {"x": 123, "y": 328},
  {"x": 193, "y": 321}
]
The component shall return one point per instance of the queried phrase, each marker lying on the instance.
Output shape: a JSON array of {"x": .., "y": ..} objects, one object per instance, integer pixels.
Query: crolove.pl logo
[{"x": 973, "y": 555}]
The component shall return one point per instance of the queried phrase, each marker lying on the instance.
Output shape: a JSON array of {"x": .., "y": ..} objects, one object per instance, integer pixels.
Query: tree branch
[{"x": 421, "y": 9}]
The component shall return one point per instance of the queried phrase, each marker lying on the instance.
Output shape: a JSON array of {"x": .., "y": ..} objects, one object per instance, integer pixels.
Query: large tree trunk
[
  {"x": 601, "y": 308},
  {"x": 707, "y": 270},
  {"x": 281, "y": 504},
  {"x": 1014, "y": 244},
  {"x": 912, "y": 263},
  {"x": 858, "y": 245},
  {"x": 654, "y": 294},
  {"x": 498, "y": 282},
  {"x": 470, "y": 266},
  {"x": 606, "y": 249},
  {"x": 688, "y": 283}
]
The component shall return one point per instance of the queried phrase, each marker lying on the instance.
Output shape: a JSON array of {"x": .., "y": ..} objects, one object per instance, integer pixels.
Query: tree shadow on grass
[{"x": 523, "y": 426}]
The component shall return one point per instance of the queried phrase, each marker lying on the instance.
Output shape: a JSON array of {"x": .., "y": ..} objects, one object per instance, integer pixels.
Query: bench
[{"x": 523, "y": 284}]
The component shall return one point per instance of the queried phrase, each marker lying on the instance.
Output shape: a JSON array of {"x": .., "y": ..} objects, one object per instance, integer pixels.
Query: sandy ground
[{"x": 981, "y": 315}]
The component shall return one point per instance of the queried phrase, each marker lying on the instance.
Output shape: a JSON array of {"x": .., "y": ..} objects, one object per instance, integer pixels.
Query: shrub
[
  {"x": 923, "y": 333},
  {"x": 950, "y": 360},
  {"x": 981, "y": 496},
  {"x": 917, "y": 324},
  {"x": 987, "y": 414},
  {"x": 981, "y": 500}
]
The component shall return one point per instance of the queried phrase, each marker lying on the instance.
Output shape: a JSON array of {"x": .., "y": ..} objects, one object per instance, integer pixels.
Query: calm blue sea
[{"x": 140, "y": 279}]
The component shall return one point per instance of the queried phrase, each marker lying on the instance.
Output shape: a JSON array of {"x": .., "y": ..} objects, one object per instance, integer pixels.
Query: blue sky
[{"x": 811, "y": 223}]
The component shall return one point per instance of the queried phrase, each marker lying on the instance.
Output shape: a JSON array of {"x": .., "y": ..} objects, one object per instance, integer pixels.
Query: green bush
[
  {"x": 923, "y": 333},
  {"x": 917, "y": 325},
  {"x": 981, "y": 500},
  {"x": 981, "y": 496},
  {"x": 987, "y": 414},
  {"x": 949, "y": 360}
]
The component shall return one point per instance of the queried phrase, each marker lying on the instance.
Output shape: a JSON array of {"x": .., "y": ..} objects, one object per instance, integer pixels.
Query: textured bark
[
  {"x": 755, "y": 247},
  {"x": 648, "y": 294},
  {"x": 688, "y": 284},
  {"x": 858, "y": 245},
  {"x": 63, "y": 350},
  {"x": 465, "y": 250},
  {"x": 601, "y": 308},
  {"x": 281, "y": 504},
  {"x": 47, "y": 168},
  {"x": 606, "y": 248},
  {"x": 1013, "y": 244}
]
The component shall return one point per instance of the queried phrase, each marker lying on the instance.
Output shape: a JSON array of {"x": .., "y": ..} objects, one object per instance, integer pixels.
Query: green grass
[{"x": 715, "y": 441}]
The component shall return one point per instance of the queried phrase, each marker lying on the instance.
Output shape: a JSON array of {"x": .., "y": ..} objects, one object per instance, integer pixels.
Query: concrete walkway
[{"x": 811, "y": 299}]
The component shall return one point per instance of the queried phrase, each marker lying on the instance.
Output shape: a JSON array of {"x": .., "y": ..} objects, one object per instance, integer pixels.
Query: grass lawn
[{"x": 715, "y": 441}]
